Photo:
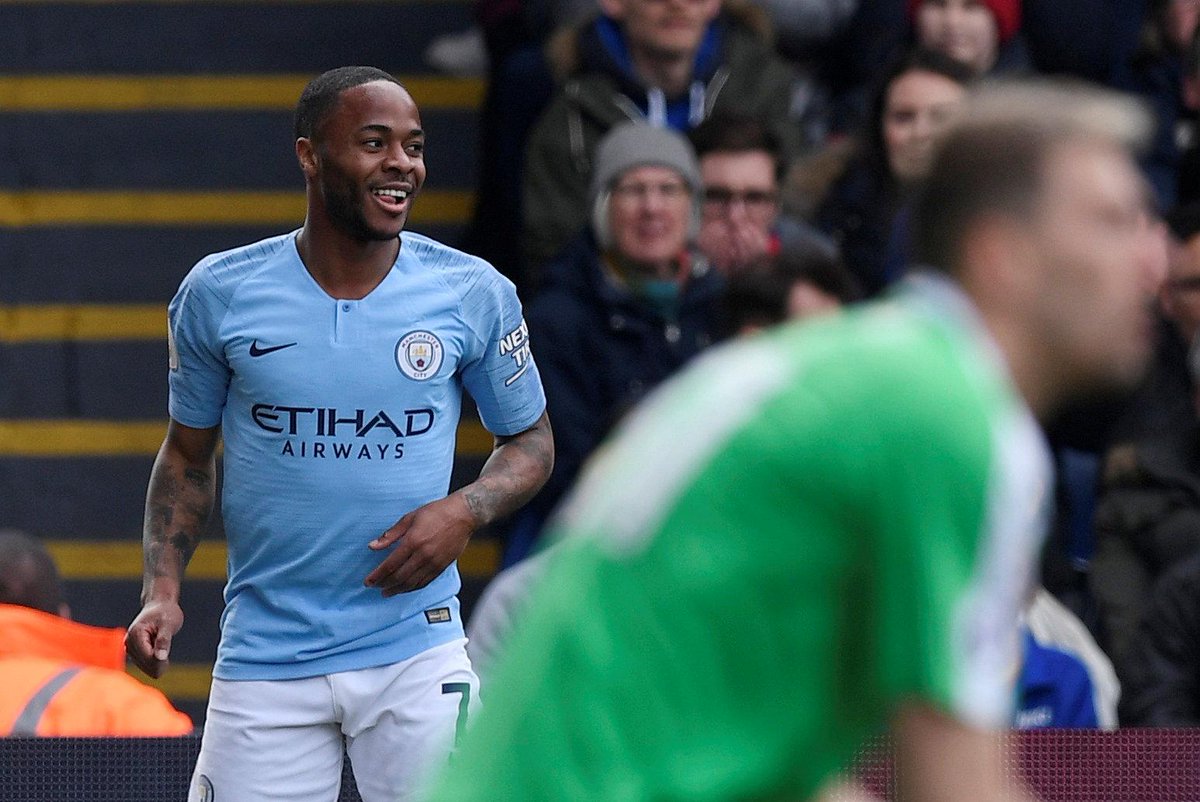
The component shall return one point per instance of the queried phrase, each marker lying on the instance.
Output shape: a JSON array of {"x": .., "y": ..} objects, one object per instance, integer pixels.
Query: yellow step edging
[
  {"x": 122, "y": 559},
  {"x": 31, "y": 323},
  {"x": 183, "y": 681},
  {"x": 80, "y": 438},
  {"x": 92, "y": 438},
  {"x": 202, "y": 208},
  {"x": 134, "y": 93}
]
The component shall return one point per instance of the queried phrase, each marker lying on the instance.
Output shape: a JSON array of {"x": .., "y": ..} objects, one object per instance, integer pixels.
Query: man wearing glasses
[{"x": 741, "y": 167}]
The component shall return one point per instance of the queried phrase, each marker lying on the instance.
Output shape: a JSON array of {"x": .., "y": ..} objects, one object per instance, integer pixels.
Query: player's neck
[
  {"x": 1027, "y": 364},
  {"x": 344, "y": 267}
]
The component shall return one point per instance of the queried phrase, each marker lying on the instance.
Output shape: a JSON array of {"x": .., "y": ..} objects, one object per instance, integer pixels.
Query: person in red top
[
  {"x": 982, "y": 35},
  {"x": 59, "y": 677}
]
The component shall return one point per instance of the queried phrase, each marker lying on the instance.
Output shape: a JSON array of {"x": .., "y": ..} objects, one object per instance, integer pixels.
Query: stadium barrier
[
  {"x": 1129, "y": 765},
  {"x": 1126, "y": 765},
  {"x": 107, "y": 769}
]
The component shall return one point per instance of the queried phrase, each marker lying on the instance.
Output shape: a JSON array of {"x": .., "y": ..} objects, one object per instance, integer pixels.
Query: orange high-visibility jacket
[{"x": 62, "y": 678}]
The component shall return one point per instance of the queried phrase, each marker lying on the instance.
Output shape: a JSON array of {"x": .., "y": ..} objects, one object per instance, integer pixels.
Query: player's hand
[
  {"x": 430, "y": 537},
  {"x": 148, "y": 639}
]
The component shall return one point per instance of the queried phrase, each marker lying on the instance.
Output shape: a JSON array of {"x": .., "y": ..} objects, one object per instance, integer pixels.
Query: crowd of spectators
[{"x": 774, "y": 148}]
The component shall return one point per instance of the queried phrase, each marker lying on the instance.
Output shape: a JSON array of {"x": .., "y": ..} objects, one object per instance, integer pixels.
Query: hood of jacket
[
  {"x": 595, "y": 57},
  {"x": 32, "y": 633}
]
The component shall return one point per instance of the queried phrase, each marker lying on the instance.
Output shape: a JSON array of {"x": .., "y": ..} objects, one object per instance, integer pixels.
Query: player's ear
[
  {"x": 1000, "y": 263},
  {"x": 306, "y": 154}
]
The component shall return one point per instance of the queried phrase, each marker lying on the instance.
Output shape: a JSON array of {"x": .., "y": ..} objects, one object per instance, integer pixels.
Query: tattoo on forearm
[
  {"x": 478, "y": 501},
  {"x": 201, "y": 480},
  {"x": 515, "y": 472},
  {"x": 178, "y": 509}
]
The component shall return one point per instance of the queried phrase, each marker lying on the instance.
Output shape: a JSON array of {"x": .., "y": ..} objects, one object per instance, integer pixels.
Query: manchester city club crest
[{"x": 419, "y": 355}]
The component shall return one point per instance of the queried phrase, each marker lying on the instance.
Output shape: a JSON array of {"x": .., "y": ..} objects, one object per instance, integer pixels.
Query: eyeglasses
[
  {"x": 630, "y": 193},
  {"x": 755, "y": 200},
  {"x": 1185, "y": 284}
]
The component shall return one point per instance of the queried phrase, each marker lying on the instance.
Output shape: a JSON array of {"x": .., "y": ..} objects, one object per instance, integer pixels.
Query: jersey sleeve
[
  {"x": 199, "y": 373},
  {"x": 957, "y": 541},
  {"x": 500, "y": 373}
]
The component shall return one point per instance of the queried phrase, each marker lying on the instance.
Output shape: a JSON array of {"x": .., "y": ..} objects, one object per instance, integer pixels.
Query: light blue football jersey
[{"x": 338, "y": 416}]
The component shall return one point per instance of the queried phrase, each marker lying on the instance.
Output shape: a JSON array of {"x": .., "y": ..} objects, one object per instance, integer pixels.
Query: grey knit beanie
[{"x": 635, "y": 144}]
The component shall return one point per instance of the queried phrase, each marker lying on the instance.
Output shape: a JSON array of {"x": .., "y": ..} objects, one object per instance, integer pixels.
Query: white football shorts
[{"x": 283, "y": 739}]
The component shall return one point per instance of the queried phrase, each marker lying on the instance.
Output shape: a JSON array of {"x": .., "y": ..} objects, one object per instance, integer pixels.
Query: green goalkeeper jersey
[{"x": 786, "y": 541}]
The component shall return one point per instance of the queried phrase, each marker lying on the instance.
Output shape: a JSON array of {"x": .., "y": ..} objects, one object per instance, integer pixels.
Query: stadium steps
[{"x": 136, "y": 137}]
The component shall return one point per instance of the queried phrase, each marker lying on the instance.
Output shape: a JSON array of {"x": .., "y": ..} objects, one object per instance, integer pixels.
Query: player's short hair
[
  {"x": 992, "y": 159},
  {"x": 321, "y": 95},
  {"x": 28, "y": 576}
]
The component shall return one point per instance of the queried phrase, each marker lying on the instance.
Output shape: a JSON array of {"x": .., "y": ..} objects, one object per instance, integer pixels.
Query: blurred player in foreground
[
  {"x": 332, "y": 361},
  {"x": 817, "y": 533}
]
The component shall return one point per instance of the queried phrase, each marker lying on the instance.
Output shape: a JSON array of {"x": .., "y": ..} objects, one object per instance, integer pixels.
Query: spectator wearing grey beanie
[
  {"x": 623, "y": 307},
  {"x": 637, "y": 145}
]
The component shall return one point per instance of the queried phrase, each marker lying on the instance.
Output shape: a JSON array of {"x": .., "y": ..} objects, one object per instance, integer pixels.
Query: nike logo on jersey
[{"x": 256, "y": 351}]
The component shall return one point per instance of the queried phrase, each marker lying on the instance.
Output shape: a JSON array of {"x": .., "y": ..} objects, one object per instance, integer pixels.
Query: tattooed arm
[
  {"x": 179, "y": 503},
  {"x": 434, "y": 535}
]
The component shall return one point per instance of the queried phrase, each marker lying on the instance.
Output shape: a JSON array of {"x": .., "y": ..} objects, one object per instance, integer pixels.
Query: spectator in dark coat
[
  {"x": 1156, "y": 73},
  {"x": 623, "y": 307},
  {"x": 1103, "y": 36},
  {"x": 916, "y": 99},
  {"x": 1148, "y": 513},
  {"x": 1162, "y": 682}
]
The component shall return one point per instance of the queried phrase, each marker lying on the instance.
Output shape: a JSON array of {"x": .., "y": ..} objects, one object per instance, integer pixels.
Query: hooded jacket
[
  {"x": 60, "y": 678},
  {"x": 735, "y": 71}
]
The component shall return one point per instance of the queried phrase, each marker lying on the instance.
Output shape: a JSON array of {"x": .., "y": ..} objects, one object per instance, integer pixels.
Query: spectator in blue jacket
[{"x": 1065, "y": 679}]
